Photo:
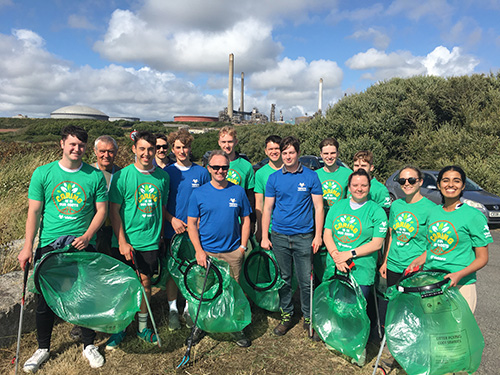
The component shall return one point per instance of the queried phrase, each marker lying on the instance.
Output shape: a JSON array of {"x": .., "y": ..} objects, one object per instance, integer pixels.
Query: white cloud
[
  {"x": 440, "y": 62},
  {"x": 5, "y": 3},
  {"x": 380, "y": 40},
  {"x": 76, "y": 21},
  {"x": 356, "y": 15},
  {"x": 415, "y": 10}
]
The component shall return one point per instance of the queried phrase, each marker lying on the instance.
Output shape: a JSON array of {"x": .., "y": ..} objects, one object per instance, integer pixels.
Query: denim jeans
[{"x": 294, "y": 250}]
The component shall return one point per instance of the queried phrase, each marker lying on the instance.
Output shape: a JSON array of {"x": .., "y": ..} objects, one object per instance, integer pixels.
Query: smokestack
[
  {"x": 320, "y": 101},
  {"x": 242, "y": 108},
  {"x": 230, "y": 92}
]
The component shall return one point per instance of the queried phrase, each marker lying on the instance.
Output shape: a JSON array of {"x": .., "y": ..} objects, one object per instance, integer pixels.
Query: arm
[
  {"x": 32, "y": 224},
  {"x": 478, "y": 263},
  {"x": 332, "y": 249},
  {"x": 194, "y": 236},
  {"x": 245, "y": 231},
  {"x": 117, "y": 224},
  {"x": 177, "y": 224},
  {"x": 417, "y": 262},
  {"x": 374, "y": 245},
  {"x": 266, "y": 221},
  {"x": 259, "y": 206},
  {"x": 319, "y": 219},
  {"x": 383, "y": 267},
  {"x": 101, "y": 213}
]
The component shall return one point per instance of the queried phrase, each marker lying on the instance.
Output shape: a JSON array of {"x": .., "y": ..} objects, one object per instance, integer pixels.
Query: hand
[
  {"x": 383, "y": 270},
  {"x": 178, "y": 225},
  {"x": 342, "y": 267},
  {"x": 413, "y": 267},
  {"x": 454, "y": 277},
  {"x": 201, "y": 258},
  {"x": 125, "y": 250},
  {"x": 316, "y": 244},
  {"x": 25, "y": 255},
  {"x": 242, "y": 250},
  {"x": 341, "y": 256},
  {"x": 266, "y": 244},
  {"x": 81, "y": 243}
]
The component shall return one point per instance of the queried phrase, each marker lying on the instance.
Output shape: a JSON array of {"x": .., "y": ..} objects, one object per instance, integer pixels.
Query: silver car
[{"x": 474, "y": 195}]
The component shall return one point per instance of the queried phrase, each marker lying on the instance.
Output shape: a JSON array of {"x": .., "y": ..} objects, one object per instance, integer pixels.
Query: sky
[{"x": 156, "y": 59}]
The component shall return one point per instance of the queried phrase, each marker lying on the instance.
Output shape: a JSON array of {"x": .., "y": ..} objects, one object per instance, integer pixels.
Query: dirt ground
[{"x": 293, "y": 353}]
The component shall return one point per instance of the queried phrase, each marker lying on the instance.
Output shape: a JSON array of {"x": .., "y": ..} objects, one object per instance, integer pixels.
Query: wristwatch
[
  {"x": 244, "y": 247},
  {"x": 353, "y": 253}
]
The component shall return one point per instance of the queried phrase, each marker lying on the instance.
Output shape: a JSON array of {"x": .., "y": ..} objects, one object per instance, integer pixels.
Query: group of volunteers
[{"x": 290, "y": 209}]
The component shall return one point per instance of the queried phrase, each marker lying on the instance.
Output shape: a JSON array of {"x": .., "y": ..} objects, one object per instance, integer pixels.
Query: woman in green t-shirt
[
  {"x": 458, "y": 236},
  {"x": 407, "y": 225}
]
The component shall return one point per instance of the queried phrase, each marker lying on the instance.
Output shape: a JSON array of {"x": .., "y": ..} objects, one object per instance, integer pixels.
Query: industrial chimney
[
  {"x": 230, "y": 91},
  {"x": 320, "y": 101},
  {"x": 242, "y": 108}
]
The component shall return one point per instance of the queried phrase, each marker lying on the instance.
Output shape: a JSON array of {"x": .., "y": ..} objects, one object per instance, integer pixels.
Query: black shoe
[
  {"x": 285, "y": 324},
  {"x": 307, "y": 327},
  {"x": 196, "y": 336},
  {"x": 240, "y": 339},
  {"x": 76, "y": 333}
]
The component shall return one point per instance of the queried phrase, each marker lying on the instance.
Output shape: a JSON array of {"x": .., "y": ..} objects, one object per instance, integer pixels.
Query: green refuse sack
[
  {"x": 224, "y": 307},
  {"x": 339, "y": 315},
  {"x": 261, "y": 279},
  {"x": 160, "y": 279},
  {"x": 91, "y": 290},
  {"x": 430, "y": 328}
]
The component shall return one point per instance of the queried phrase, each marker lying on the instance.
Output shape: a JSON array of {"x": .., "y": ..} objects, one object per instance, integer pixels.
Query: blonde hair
[{"x": 229, "y": 130}]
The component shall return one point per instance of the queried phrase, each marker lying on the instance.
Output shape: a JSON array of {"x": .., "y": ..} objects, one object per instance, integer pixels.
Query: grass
[{"x": 293, "y": 353}]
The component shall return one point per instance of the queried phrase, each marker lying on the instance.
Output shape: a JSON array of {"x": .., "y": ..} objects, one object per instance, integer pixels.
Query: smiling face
[
  {"x": 105, "y": 153},
  {"x": 73, "y": 149},
  {"x": 227, "y": 143},
  {"x": 144, "y": 152},
  {"x": 451, "y": 185},
  {"x": 290, "y": 157},
  {"x": 329, "y": 155},
  {"x": 408, "y": 188},
  {"x": 273, "y": 151},
  {"x": 218, "y": 174},
  {"x": 161, "y": 149},
  {"x": 181, "y": 151},
  {"x": 359, "y": 188}
]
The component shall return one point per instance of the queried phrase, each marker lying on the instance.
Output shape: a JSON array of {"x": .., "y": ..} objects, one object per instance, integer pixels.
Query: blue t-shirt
[
  {"x": 219, "y": 211},
  {"x": 182, "y": 184},
  {"x": 293, "y": 211}
]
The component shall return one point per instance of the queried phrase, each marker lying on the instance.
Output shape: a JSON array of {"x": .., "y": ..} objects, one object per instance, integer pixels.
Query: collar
[{"x": 299, "y": 169}]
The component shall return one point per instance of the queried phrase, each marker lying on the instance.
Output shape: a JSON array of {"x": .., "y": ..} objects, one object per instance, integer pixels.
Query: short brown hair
[
  {"x": 217, "y": 152},
  {"x": 229, "y": 130},
  {"x": 329, "y": 142},
  {"x": 365, "y": 155},
  {"x": 181, "y": 135}
]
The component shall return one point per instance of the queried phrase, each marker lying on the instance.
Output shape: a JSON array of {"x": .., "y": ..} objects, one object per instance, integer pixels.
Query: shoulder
[{"x": 426, "y": 202}]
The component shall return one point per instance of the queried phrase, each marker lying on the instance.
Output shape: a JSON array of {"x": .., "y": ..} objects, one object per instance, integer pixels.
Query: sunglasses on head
[
  {"x": 411, "y": 180},
  {"x": 158, "y": 147},
  {"x": 217, "y": 167}
]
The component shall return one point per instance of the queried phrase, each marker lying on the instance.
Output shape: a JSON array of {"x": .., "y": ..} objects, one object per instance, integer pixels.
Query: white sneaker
[
  {"x": 95, "y": 358},
  {"x": 36, "y": 360}
]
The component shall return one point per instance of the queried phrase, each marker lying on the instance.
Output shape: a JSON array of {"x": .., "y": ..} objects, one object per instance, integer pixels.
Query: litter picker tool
[
  {"x": 25, "y": 279},
  {"x": 311, "y": 290},
  {"x": 382, "y": 344},
  {"x": 134, "y": 262},
  {"x": 186, "y": 357}
]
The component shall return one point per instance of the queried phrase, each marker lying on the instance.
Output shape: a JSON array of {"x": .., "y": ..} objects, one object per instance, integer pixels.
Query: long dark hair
[{"x": 455, "y": 168}]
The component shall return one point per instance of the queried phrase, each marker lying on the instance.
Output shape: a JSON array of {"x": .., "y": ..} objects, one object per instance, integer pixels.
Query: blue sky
[{"x": 155, "y": 59}]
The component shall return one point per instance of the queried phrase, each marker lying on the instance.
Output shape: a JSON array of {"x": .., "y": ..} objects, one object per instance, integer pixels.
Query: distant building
[
  {"x": 79, "y": 112},
  {"x": 19, "y": 116},
  {"x": 131, "y": 119},
  {"x": 195, "y": 119}
]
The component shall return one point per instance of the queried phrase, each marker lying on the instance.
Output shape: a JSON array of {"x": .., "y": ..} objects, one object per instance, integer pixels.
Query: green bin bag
[
  {"x": 224, "y": 307},
  {"x": 430, "y": 328},
  {"x": 261, "y": 279},
  {"x": 92, "y": 290},
  {"x": 339, "y": 315}
]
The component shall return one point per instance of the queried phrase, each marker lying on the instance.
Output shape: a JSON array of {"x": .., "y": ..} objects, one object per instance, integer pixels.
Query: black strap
[
  {"x": 424, "y": 288},
  {"x": 217, "y": 272},
  {"x": 247, "y": 274}
]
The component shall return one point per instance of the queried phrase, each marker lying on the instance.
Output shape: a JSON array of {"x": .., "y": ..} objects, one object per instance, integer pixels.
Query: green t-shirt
[
  {"x": 69, "y": 199},
  {"x": 353, "y": 228},
  {"x": 379, "y": 194},
  {"x": 334, "y": 185},
  {"x": 408, "y": 223},
  {"x": 261, "y": 177},
  {"x": 241, "y": 173},
  {"x": 452, "y": 237},
  {"x": 141, "y": 197}
]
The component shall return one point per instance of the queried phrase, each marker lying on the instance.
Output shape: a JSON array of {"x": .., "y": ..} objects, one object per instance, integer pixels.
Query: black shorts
[{"x": 147, "y": 261}]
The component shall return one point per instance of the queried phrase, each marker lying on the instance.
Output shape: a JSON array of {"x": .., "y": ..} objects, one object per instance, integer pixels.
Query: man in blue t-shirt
[
  {"x": 185, "y": 177},
  {"x": 214, "y": 214},
  {"x": 294, "y": 198}
]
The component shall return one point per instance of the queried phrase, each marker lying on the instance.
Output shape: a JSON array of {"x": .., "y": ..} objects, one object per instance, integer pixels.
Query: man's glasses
[
  {"x": 159, "y": 147},
  {"x": 217, "y": 167},
  {"x": 411, "y": 180}
]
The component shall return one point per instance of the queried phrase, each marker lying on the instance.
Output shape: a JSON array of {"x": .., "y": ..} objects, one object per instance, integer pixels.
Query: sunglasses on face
[
  {"x": 159, "y": 147},
  {"x": 411, "y": 180},
  {"x": 217, "y": 167}
]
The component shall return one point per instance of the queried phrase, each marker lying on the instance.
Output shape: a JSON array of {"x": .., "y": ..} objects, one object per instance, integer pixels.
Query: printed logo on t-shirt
[
  {"x": 332, "y": 191},
  {"x": 147, "y": 197},
  {"x": 443, "y": 237},
  {"x": 69, "y": 198},
  {"x": 406, "y": 227},
  {"x": 233, "y": 176},
  {"x": 486, "y": 231},
  {"x": 195, "y": 183},
  {"x": 347, "y": 228},
  {"x": 302, "y": 186},
  {"x": 233, "y": 202}
]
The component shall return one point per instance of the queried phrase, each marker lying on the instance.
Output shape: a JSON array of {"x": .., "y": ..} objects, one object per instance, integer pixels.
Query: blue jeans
[{"x": 289, "y": 251}]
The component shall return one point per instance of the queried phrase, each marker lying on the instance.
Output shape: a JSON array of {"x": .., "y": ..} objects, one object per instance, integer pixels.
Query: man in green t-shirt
[
  {"x": 138, "y": 195},
  {"x": 65, "y": 197},
  {"x": 378, "y": 192},
  {"x": 272, "y": 150}
]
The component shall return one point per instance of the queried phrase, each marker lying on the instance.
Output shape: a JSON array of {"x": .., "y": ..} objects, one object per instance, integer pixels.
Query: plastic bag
[
  {"x": 92, "y": 290},
  {"x": 224, "y": 307},
  {"x": 339, "y": 315},
  {"x": 320, "y": 264},
  {"x": 261, "y": 279},
  {"x": 430, "y": 328}
]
